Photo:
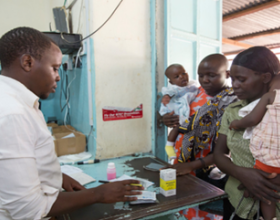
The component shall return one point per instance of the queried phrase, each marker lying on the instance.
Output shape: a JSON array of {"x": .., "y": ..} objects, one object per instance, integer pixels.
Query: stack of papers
[
  {"x": 145, "y": 183},
  {"x": 77, "y": 174},
  {"x": 73, "y": 158},
  {"x": 145, "y": 197}
]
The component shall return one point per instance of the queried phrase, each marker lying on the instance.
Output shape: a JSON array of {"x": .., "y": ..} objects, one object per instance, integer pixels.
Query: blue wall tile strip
[{"x": 153, "y": 71}]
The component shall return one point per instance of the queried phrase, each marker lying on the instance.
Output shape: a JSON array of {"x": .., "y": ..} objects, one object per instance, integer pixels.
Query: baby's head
[
  {"x": 212, "y": 73},
  {"x": 177, "y": 75}
]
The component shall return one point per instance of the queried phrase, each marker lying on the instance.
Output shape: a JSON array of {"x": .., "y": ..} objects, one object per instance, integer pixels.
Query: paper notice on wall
[{"x": 119, "y": 113}]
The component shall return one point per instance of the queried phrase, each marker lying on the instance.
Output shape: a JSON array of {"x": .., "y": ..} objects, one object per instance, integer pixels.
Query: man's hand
[
  {"x": 117, "y": 191},
  {"x": 260, "y": 185},
  {"x": 70, "y": 185},
  {"x": 170, "y": 120},
  {"x": 165, "y": 99},
  {"x": 106, "y": 193}
]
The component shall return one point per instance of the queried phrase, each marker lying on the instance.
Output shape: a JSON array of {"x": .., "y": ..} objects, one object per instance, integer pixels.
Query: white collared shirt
[{"x": 30, "y": 174}]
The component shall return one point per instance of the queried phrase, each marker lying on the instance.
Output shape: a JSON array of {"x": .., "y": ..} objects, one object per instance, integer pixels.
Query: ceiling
[{"x": 249, "y": 23}]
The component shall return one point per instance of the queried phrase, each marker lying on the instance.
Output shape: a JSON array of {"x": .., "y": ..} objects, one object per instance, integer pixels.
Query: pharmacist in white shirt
[{"x": 30, "y": 176}]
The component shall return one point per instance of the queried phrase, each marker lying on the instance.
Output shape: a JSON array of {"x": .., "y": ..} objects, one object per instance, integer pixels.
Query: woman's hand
[
  {"x": 165, "y": 99},
  {"x": 70, "y": 185},
  {"x": 259, "y": 184},
  {"x": 170, "y": 120},
  {"x": 234, "y": 125},
  {"x": 188, "y": 167},
  {"x": 182, "y": 168},
  {"x": 274, "y": 178}
]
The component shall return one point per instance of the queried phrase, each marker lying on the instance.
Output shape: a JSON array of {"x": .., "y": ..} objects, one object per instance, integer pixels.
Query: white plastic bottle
[{"x": 111, "y": 171}]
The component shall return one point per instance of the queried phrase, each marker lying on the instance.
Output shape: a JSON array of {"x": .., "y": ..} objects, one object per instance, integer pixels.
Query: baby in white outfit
[{"x": 177, "y": 97}]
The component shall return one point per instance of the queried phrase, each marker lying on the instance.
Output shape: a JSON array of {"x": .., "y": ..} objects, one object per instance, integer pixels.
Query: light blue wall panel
[
  {"x": 198, "y": 22},
  {"x": 206, "y": 49},
  {"x": 79, "y": 111},
  {"x": 183, "y": 52},
  {"x": 209, "y": 19},
  {"x": 153, "y": 74},
  {"x": 180, "y": 19}
]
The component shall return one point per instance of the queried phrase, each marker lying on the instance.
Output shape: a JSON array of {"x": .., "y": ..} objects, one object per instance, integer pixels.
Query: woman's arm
[
  {"x": 254, "y": 117},
  {"x": 221, "y": 156},
  {"x": 186, "y": 168},
  {"x": 255, "y": 181}
]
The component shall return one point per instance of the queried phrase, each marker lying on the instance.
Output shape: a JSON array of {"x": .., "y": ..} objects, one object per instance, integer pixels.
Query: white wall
[
  {"x": 35, "y": 13},
  {"x": 31, "y": 13},
  {"x": 122, "y": 62},
  {"x": 123, "y": 75}
]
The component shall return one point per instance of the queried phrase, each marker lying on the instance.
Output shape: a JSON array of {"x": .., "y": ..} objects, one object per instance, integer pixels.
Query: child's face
[{"x": 178, "y": 76}]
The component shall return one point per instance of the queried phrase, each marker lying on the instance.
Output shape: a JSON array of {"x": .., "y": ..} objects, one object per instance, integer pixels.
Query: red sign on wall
[{"x": 119, "y": 113}]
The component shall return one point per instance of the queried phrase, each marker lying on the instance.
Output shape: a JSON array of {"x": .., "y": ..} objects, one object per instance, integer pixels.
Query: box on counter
[
  {"x": 62, "y": 129},
  {"x": 73, "y": 144},
  {"x": 168, "y": 182},
  {"x": 52, "y": 125}
]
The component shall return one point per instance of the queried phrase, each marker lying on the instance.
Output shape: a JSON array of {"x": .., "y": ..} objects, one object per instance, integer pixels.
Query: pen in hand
[
  {"x": 132, "y": 184},
  {"x": 88, "y": 162},
  {"x": 81, "y": 162},
  {"x": 103, "y": 181}
]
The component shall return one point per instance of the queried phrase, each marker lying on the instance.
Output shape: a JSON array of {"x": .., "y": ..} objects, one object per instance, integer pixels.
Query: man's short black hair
[{"x": 22, "y": 40}]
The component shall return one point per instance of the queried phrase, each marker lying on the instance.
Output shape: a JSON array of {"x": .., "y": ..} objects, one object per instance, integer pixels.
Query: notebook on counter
[
  {"x": 82, "y": 178},
  {"x": 77, "y": 174}
]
